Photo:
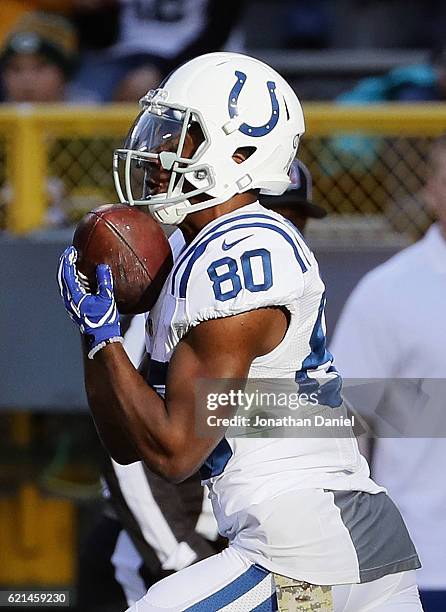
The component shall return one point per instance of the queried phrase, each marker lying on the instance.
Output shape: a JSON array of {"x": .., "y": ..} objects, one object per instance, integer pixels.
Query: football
[{"x": 135, "y": 247}]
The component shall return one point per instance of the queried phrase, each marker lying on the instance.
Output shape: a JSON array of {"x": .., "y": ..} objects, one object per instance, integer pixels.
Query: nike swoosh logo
[{"x": 229, "y": 245}]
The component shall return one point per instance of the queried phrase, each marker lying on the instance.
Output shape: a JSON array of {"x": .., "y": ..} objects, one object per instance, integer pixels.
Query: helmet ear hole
[{"x": 241, "y": 154}]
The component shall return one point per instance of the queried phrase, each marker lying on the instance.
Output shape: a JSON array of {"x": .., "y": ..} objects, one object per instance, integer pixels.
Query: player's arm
[
  {"x": 98, "y": 321},
  {"x": 113, "y": 436},
  {"x": 110, "y": 429},
  {"x": 164, "y": 431}
]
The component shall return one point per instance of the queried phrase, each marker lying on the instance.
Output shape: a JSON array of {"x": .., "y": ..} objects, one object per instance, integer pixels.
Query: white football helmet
[{"x": 237, "y": 102}]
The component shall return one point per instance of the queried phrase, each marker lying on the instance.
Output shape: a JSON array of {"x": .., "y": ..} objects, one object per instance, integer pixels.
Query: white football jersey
[
  {"x": 253, "y": 258},
  {"x": 163, "y": 29}
]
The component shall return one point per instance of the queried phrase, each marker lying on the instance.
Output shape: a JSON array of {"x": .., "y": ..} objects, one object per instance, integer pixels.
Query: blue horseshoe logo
[{"x": 250, "y": 130}]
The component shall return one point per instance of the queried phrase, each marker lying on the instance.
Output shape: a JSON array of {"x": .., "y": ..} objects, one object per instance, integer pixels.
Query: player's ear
[{"x": 242, "y": 154}]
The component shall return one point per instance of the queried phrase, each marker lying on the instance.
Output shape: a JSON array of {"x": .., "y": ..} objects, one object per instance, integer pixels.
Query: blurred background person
[
  {"x": 13, "y": 10},
  {"x": 422, "y": 205},
  {"x": 296, "y": 203},
  {"x": 153, "y": 37},
  {"x": 393, "y": 327},
  {"x": 423, "y": 82},
  {"x": 38, "y": 58},
  {"x": 415, "y": 83}
]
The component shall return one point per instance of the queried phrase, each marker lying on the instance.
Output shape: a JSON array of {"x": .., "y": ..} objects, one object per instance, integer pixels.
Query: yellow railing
[
  {"x": 27, "y": 130},
  {"x": 398, "y": 136}
]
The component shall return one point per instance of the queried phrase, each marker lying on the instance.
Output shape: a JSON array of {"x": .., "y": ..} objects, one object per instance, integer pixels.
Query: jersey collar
[{"x": 255, "y": 207}]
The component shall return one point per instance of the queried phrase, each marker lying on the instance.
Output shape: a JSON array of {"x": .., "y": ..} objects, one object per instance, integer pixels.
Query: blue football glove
[{"x": 96, "y": 315}]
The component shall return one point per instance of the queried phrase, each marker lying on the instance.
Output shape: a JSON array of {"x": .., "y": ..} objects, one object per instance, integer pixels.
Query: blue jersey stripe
[
  {"x": 328, "y": 390},
  {"x": 217, "y": 460},
  {"x": 206, "y": 234},
  {"x": 269, "y": 605},
  {"x": 185, "y": 254},
  {"x": 231, "y": 592},
  {"x": 201, "y": 248},
  {"x": 328, "y": 393},
  {"x": 318, "y": 344}
]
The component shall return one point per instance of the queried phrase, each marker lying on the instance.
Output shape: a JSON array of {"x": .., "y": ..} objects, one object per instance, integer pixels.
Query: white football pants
[{"x": 231, "y": 583}]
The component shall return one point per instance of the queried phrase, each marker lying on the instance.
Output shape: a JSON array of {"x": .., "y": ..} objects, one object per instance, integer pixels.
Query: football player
[
  {"x": 244, "y": 300},
  {"x": 150, "y": 527}
]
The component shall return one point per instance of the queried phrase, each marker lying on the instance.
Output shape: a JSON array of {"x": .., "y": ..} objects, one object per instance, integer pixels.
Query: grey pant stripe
[{"x": 379, "y": 535}]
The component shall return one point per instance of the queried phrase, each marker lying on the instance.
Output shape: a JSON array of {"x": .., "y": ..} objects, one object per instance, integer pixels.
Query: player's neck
[{"x": 195, "y": 222}]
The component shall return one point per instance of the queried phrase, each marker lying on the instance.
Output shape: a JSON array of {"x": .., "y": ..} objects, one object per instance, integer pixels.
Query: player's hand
[{"x": 95, "y": 314}]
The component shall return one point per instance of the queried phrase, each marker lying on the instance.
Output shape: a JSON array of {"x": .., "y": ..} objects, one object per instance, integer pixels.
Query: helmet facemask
[{"x": 159, "y": 164}]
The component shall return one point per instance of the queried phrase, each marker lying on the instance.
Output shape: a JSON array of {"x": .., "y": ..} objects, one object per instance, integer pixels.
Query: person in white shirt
[
  {"x": 154, "y": 37},
  {"x": 393, "y": 327}
]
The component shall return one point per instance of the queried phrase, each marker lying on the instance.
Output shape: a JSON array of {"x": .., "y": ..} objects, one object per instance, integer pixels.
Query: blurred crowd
[
  {"x": 102, "y": 51},
  {"x": 85, "y": 51}
]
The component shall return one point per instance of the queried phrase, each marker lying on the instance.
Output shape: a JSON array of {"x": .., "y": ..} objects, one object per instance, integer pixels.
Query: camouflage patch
[{"x": 298, "y": 596}]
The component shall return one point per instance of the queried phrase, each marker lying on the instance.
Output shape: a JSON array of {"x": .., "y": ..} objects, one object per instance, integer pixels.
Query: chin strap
[{"x": 172, "y": 215}]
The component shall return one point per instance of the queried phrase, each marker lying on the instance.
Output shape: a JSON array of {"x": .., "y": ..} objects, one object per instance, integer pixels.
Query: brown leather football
[{"x": 135, "y": 247}]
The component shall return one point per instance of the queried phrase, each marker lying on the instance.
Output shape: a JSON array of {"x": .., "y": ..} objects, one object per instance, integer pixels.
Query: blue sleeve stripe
[
  {"x": 298, "y": 236},
  {"x": 201, "y": 248},
  {"x": 232, "y": 591},
  {"x": 190, "y": 250}
]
